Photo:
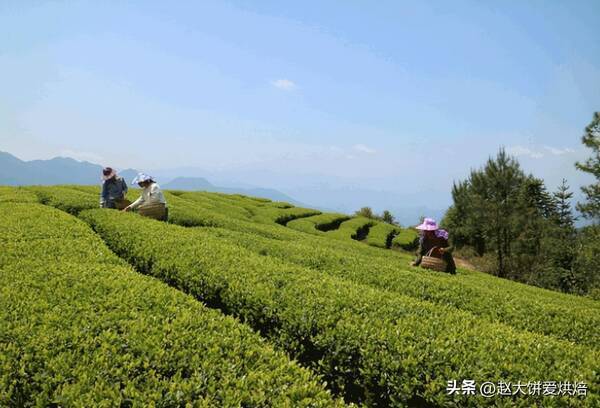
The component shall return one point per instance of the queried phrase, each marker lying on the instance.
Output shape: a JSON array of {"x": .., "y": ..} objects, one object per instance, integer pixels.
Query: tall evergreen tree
[
  {"x": 564, "y": 212},
  {"x": 387, "y": 217},
  {"x": 496, "y": 192},
  {"x": 591, "y": 208}
]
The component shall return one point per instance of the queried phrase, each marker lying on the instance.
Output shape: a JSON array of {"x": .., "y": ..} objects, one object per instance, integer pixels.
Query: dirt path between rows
[{"x": 463, "y": 263}]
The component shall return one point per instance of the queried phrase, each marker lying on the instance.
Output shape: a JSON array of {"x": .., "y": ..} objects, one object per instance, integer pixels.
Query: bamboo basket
[
  {"x": 157, "y": 211},
  {"x": 431, "y": 261},
  {"x": 121, "y": 204}
]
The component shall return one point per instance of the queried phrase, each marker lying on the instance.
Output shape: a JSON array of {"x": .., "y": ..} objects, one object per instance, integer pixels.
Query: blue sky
[{"x": 394, "y": 96}]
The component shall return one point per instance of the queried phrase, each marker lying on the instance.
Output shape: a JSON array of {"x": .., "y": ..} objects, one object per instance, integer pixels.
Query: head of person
[
  {"x": 428, "y": 227},
  {"x": 142, "y": 180},
  {"x": 108, "y": 173}
]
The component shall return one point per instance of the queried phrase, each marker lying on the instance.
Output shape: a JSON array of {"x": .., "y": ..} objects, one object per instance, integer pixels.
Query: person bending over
[
  {"x": 431, "y": 236},
  {"x": 152, "y": 202}
]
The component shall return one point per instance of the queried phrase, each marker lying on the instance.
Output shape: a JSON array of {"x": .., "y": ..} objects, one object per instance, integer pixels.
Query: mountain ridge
[{"x": 66, "y": 170}]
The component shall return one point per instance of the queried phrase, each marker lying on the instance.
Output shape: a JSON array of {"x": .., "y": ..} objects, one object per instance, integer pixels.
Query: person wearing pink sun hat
[{"x": 432, "y": 237}]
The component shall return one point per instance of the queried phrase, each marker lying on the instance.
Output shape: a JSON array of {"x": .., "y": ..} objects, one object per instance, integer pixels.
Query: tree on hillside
[
  {"x": 388, "y": 217},
  {"x": 591, "y": 208},
  {"x": 365, "y": 212},
  {"x": 495, "y": 193},
  {"x": 466, "y": 230},
  {"x": 501, "y": 211},
  {"x": 564, "y": 212}
]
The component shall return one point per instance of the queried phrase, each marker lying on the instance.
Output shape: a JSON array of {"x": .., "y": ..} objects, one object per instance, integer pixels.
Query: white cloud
[
  {"x": 284, "y": 84},
  {"x": 538, "y": 153},
  {"x": 519, "y": 150},
  {"x": 558, "y": 152},
  {"x": 364, "y": 149}
]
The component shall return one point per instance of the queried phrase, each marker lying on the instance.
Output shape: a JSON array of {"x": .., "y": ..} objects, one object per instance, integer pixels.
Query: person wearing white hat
[
  {"x": 114, "y": 189},
  {"x": 433, "y": 237},
  {"x": 152, "y": 202}
]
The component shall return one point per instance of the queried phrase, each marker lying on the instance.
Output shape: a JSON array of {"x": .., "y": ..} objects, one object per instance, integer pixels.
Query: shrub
[
  {"x": 318, "y": 224},
  {"x": 382, "y": 234},
  {"x": 282, "y": 216},
  {"x": 80, "y": 328},
  {"x": 66, "y": 198},
  {"x": 407, "y": 239},
  {"x": 372, "y": 346},
  {"x": 562, "y": 316},
  {"x": 356, "y": 228},
  {"x": 16, "y": 195}
]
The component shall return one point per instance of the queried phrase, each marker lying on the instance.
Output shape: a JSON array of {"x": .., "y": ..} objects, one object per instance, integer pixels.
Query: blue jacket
[{"x": 112, "y": 189}]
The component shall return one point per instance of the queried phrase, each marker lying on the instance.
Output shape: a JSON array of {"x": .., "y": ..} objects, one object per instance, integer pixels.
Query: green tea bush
[
  {"x": 372, "y": 346},
  {"x": 79, "y": 327},
  {"x": 218, "y": 205},
  {"x": 281, "y": 216},
  {"x": 356, "y": 228},
  {"x": 16, "y": 195},
  {"x": 562, "y": 316},
  {"x": 381, "y": 235},
  {"x": 548, "y": 312},
  {"x": 318, "y": 224},
  {"x": 407, "y": 239},
  {"x": 66, "y": 198},
  {"x": 187, "y": 213}
]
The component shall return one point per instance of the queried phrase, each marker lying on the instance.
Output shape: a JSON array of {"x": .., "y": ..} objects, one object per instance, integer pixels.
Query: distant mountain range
[
  {"x": 64, "y": 170},
  {"x": 201, "y": 184},
  {"x": 60, "y": 170}
]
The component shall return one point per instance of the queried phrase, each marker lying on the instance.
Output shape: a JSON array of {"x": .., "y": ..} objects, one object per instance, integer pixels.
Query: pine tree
[
  {"x": 388, "y": 217},
  {"x": 365, "y": 212},
  {"x": 591, "y": 208},
  {"x": 496, "y": 189},
  {"x": 564, "y": 211}
]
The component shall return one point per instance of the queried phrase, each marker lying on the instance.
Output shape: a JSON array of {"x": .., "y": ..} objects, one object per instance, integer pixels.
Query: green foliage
[
  {"x": 382, "y": 234},
  {"x": 591, "y": 139},
  {"x": 387, "y": 217},
  {"x": 586, "y": 263},
  {"x": 503, "y": 211},
  {"x": 366, "y": 212},
  {"x": 282, "y": 216},
  {"x": 318, "y": 224},
  {"x": 356, "y": 228},
  {"x": 66, "y": 198},
  {"x": 16, "y": 195},
  {"x": 564, "y": 213},
  {"x": 562, "y": 316},
  {"x": 407, "y": 239},
  {"x": 373, "y": 346},
  {"x": 80, "y": 328}
]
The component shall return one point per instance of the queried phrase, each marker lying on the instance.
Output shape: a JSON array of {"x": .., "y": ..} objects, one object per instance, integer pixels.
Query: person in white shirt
[{"x": 152, "y": 202}]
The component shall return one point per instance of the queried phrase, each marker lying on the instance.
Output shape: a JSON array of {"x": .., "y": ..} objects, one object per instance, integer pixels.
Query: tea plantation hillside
[{"x": 240, "y": 301}]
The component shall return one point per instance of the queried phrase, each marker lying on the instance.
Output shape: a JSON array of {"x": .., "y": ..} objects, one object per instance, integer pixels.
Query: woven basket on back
[
  {"x": 433, "y": 261},
  {"x": 154, "y": 210}
]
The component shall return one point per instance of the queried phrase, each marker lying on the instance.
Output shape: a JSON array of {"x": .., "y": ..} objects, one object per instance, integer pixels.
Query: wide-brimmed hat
[
  {"x": 141, "y": 177},
  {"x": 108, "y": 173},
  {"x": 428, "y": 224}
]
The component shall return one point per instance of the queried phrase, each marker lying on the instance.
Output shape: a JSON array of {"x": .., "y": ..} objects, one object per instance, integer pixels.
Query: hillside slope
[{"x": 380, "y": 333}]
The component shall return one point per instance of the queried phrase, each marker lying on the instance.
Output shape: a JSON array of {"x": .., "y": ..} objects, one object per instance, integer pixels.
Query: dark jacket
[
  {"x": 113, "y": 189},
  {"x": 425, "y": 245}
]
